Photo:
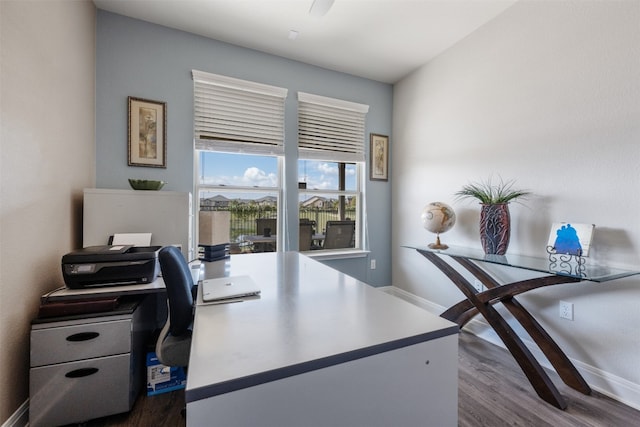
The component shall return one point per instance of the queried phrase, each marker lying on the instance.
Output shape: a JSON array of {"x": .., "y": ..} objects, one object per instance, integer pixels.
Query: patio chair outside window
[
  {"x": 339, "y": 234},
  {"x": 305, "y": 236}
]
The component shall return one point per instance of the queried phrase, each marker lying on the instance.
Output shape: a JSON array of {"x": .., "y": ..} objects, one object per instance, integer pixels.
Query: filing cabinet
[{"x": 89, "y": 366}]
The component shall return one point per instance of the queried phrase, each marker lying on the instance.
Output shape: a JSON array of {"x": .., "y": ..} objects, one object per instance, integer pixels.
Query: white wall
[
  {"x": 548, "y": 93},
  {"x": 47, "y": 150}
]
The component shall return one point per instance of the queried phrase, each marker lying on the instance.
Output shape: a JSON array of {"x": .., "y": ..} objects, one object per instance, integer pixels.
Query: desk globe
[{"x": 438, "y": 217}]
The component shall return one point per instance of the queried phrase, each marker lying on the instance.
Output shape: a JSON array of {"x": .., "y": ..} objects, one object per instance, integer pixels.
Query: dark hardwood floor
[{"x": 492, "y": 392}]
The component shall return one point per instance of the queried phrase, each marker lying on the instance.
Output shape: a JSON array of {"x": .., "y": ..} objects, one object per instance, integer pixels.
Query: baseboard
[
  {"x": 603, "y": 382},
  {"x": 20, "y": 418}
]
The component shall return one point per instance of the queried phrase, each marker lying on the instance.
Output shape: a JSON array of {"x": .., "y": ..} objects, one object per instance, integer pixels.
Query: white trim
[
  {"x": 20, "y": 418},
  {"x": 333, "y": 102},
  {"x": 239, "y": 84},
  {"x": 330, "y": 254},
  {"x": 611, "y": 385}
]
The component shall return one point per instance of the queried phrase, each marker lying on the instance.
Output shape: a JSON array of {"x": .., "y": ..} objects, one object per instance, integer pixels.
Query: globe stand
[{"x": 437, "y": 244}]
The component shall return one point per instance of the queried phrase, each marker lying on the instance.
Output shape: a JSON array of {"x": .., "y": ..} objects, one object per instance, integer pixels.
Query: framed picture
[
  {"x": 571, "y": 238},
  {"x": 379, "y": 156},
  {"x": 147, "y": 131}
]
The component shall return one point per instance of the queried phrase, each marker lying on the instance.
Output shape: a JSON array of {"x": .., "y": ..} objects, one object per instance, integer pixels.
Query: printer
[{"x": 110, "y": 265}]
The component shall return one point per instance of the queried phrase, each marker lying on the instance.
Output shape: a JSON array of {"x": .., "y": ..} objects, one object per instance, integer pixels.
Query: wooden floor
[{"x": 492, "y": 392}]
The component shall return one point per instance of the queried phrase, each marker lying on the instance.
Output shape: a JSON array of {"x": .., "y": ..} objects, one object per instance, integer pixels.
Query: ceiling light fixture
[{"x": 320, "y": 7}]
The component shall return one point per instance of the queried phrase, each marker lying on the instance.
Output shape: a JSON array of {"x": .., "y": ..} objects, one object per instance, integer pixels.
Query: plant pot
[{"x": 495, "y": 228}]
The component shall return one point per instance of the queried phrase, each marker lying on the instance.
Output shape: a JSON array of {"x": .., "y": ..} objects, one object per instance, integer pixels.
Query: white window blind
[
  {"x": 237, "y": 116},
  {"x": 330, "y": 129}
]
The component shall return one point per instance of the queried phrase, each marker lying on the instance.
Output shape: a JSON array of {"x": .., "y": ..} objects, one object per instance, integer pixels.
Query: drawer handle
[
  {"x": 79, "y": 373},
  {"x": 83, "y": 336}
]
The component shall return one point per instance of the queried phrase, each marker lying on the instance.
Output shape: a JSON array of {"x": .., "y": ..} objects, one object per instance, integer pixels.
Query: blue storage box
[{"x": 161, "y": 378}]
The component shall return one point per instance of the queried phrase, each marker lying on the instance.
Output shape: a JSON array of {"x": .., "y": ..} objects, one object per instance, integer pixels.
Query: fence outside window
[{"x": 243, "y": 217}]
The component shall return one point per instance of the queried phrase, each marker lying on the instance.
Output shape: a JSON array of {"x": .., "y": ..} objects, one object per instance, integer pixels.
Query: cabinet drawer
[
  {"x": 75, "y": 392},
  {"x": 77, "y": 342}
]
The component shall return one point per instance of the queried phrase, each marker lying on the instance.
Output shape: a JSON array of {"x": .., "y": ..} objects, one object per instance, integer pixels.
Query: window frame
[
  {"x": 278, "y": 190},
  {"x": 357, "y": 193},
  {"x": 333, "y": 130}
]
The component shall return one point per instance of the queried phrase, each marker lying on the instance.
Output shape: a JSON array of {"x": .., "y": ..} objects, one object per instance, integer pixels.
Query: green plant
[{"x": 489, "y": 193}]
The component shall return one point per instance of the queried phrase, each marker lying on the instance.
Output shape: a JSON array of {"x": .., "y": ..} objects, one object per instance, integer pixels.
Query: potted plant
[{"x": 495, "y": 220}]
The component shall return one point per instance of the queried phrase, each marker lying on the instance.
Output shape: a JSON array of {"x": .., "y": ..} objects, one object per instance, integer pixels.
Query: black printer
[{"x": 110, "y": 265}]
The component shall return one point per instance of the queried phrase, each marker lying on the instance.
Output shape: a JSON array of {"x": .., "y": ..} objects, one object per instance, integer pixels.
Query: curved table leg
[
  {"x": 538, "y": 378},
  {"x": 563, "y": 366}
]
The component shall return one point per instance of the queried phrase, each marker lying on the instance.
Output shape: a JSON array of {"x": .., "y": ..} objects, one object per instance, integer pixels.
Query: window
[
  {"x": 330, "y": 170},
  {"x": 239, "y": 155},
  {"x": 239, "y": 141},
  {"x": 246, "y": 186}
]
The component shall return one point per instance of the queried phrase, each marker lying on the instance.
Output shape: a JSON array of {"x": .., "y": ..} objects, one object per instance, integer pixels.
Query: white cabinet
[
  {"x": 167, "y": 215},
  {"x": 87, "y": 367}
]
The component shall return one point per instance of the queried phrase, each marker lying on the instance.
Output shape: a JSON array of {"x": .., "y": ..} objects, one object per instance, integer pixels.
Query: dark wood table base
[{"x": 482, "y": 302}]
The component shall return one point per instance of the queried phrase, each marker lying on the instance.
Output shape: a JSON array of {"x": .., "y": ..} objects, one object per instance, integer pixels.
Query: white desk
[{"x": 319, "y": 348}]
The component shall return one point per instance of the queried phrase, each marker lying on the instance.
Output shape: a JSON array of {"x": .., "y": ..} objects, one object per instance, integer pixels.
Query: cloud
[
  {"x": 252, "y": 177},
  {"x": 327, "y": 168},
  {"x": 257, "y": 177}
]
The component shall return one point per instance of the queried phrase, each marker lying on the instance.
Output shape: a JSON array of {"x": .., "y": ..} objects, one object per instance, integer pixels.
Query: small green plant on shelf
[{"x": 490, "y": 193}]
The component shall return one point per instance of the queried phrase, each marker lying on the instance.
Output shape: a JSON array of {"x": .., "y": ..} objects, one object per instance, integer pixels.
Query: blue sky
[{"x": 249, "y": 171}]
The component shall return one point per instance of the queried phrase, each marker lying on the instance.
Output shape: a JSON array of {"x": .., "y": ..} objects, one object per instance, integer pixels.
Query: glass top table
[
  {"x": 553, "y": 264},
  {"x": 557, "y": 269}
]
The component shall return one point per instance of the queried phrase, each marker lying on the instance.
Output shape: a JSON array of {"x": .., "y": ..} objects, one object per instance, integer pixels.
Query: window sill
[{"x": 336, "y": 254}]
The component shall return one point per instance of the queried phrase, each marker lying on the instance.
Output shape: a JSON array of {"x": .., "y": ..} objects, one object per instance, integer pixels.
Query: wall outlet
[
  {"x": 478, "y": 285},
  {"x": 373, "y": 264},
  {"x": 566, "y": 310}
]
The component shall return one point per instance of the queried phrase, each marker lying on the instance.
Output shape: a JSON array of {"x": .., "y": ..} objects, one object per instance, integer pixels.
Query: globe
[{"x": 438, "y": 217}]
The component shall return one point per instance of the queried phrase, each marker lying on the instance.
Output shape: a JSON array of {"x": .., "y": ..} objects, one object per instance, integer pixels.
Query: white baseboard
[
  {"x": 606, "y": 383},
  {"x": 20, "y": 418}
]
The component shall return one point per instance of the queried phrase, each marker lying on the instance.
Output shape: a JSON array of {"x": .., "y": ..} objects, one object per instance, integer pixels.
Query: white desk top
[{"x": 308, "y": 316}]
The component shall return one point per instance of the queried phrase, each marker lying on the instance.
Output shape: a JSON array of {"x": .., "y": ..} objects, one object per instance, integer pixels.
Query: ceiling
[{"x": 382, "y": 40}]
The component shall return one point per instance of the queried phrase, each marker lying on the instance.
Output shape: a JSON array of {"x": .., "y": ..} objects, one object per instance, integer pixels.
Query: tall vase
[{"x": 495, "y": 228}]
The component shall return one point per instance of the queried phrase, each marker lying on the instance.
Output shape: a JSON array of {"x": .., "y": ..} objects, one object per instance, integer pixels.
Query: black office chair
[{"x": 174, "y": 342}]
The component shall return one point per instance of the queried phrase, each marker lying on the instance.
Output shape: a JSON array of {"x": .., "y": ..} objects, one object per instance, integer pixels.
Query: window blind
[
  {"x": 330, "y": 129},
  {"x": 237, "y": 116}
]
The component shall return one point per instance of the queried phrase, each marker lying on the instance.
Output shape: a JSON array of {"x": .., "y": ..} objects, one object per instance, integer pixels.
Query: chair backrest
[
  {"x": 262, "y": 223},
  {"x": 339, "y": 234},
  {"x": 179, "y": 283},
  {"x": 305, "y": 236}
]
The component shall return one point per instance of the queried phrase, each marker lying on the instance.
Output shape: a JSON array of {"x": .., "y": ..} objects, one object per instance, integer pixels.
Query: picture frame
[
  {"x": 147, "y": 133},
  {"x": 570, "y": 238},
  {"x": 378, "y": 157}
]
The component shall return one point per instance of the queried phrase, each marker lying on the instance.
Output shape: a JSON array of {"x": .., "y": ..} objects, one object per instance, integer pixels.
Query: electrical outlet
[
  {"x": 373, "y": 264},
  {"x": 566, "y": 310},
  {"x": 478, "y": 285}
]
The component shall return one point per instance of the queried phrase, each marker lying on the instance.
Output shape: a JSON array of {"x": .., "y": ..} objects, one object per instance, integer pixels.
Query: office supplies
[
  {"x": 110, "y": 265},
  {"x": 224, "y": 288},
  {"x": 213, "y": 252}
]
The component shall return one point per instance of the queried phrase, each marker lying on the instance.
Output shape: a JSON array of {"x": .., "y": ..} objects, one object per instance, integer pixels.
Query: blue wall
[{"x": 136, "y": 58}]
